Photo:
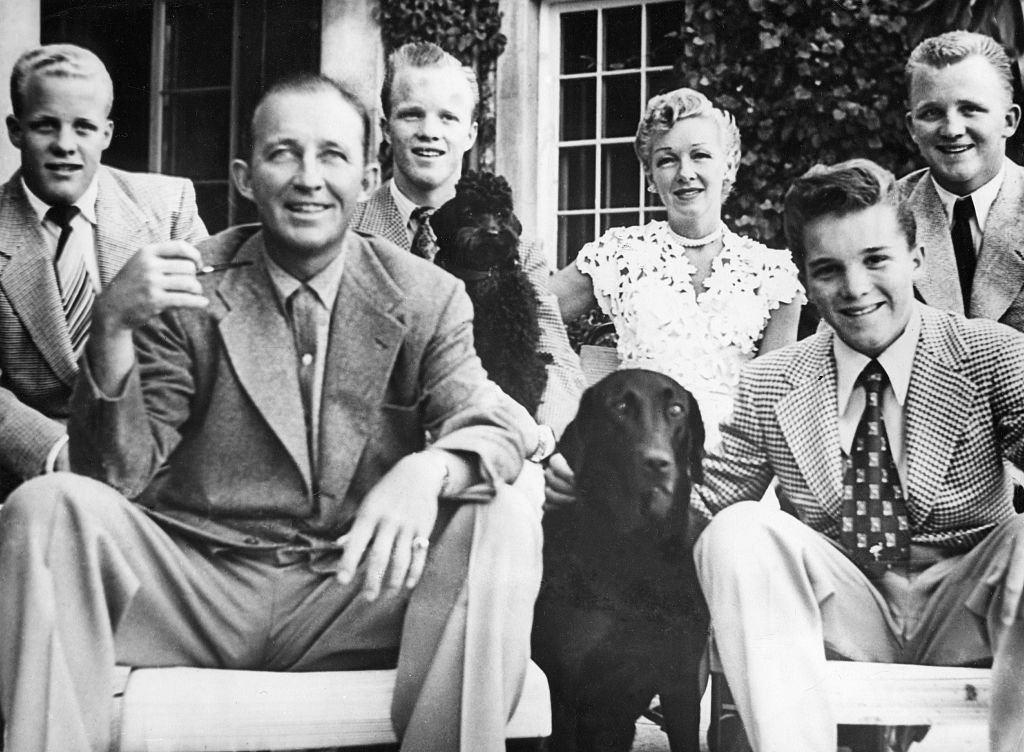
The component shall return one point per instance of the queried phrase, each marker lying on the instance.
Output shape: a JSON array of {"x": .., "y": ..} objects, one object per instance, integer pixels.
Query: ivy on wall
[
  {"x": 468, "y": 29},
  {"x": 808, "y": 81}
]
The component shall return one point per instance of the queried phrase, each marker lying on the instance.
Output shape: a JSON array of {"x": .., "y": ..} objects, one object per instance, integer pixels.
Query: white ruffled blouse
[{"x": 642, "y": 280}]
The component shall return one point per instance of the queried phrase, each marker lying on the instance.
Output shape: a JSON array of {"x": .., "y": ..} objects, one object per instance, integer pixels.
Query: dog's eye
[
  {"x": 621, "y": 407},
  {"x": 675, "y": 410}
]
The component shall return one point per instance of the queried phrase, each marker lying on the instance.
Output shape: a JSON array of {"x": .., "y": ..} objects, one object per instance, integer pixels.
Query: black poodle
[{"x": 478, "y": 241}]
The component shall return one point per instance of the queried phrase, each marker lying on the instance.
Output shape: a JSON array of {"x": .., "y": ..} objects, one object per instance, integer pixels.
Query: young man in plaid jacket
[{"x": 904, "y": 547}]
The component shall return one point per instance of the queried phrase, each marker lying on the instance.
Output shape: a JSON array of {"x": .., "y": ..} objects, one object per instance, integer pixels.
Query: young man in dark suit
[
  {"x": 430, "y": 106},
  {"x": 61, "y": 97},
  {"x": 316, "y": 463},
  {"x": 968, "y": 202}
]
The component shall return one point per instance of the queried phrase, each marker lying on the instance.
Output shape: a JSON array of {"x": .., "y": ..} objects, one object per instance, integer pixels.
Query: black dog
[
  {"x": 478, "y": 241},
  {"x": 620, "y": 615}
]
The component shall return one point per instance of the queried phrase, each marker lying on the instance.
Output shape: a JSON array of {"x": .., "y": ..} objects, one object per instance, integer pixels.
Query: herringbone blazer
[
  {"x": 37, "y": 365},
  {"x": 209, "y": 433},
  {"x": 964, "y": 415},
  {"x": 998, "y": 289},
  {"x": 379, "y": 216}
]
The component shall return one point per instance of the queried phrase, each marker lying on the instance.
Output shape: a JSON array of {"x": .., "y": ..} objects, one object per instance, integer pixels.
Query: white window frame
[{"x": 548, "y": 143}]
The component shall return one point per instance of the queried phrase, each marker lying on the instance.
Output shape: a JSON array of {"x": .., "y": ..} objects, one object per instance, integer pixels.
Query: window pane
[
  {"x": 196, "y": 134},
  {"x": 622, "y": 105},
  {"x": 576, "y": 178},
  {"x": 574, "y": 232},
  {"x": 579, "y": 42},
  {"x": 620, "y": 176},
  {"x": 661, "y": 82},
  {"x": 622, "y": 38},
  {"x": 662, "y": 19},
  {"x": 292, "y": 40},
  {"x": 619, "y": 219},
  {"x": 650, "y": 214},
  {"x": 198, "y": 50},
  {"x": 212, "y": 199},
  {"x": 578, "y": 108}
]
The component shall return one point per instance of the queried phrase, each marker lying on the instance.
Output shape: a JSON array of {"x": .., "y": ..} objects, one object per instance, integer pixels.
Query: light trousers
[
  {"x": 782, "y": 595},
  {"x": 88, "y": 580}
]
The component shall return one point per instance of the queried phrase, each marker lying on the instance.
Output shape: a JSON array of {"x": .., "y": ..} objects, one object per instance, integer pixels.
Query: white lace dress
[{"x": 642, "y": 280}]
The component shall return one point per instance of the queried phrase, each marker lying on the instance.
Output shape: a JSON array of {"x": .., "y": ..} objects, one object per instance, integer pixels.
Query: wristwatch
[{"x": 545, "y": 444}]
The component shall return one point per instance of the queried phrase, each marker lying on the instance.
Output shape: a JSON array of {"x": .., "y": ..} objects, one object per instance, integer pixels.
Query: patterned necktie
[
  {"x": 302, "y": 309},
  {"x": 424, "y": 241},
  {"x": 875, "y": 525},
  {"x": 76, "y": 290},
  {"x": 963, "y": 246}
]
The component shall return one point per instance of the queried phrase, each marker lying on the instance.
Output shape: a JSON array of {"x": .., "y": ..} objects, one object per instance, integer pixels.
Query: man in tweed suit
[
  {"x": 960, "y": 90},
  {"x": 780, "y": 587},
  {"x": 316, "y": 461},
  {"x": 61, "y": 97},
  {"x": 430, "y": 108}
]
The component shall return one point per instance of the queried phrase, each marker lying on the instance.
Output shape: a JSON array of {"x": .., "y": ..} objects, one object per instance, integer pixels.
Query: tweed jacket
[
  {"x": 998, "y": 289},
  {"x": 208, "y": 434},
  {"x": 379, "y": 216},
  {"x": 37, "y": 365},
  {"x": 964, "y": 416}
]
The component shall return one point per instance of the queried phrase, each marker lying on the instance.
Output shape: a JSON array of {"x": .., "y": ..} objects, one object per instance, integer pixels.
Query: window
[
  {"x": 611, "y": 58},
  {"x": 187, "y": 74}
]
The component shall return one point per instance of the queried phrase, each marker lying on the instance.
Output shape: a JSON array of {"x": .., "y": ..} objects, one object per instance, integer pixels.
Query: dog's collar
[{"x": 475, "y": 275}]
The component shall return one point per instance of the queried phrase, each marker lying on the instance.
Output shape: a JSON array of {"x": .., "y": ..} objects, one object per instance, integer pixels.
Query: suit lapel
[
  {"x": 808, "y": 418},
  {"x": 259, "y": 344},
  {"x": 940, "y": 286},
  {"x": 30, "y": 283},
  {"x": 931, "y": 434},
  {"x": 367, "y": 331},
  {"x": 1000, "y": 272},
  {"x": 120, "y": 227},
  {"x": 383, "y": 218}
]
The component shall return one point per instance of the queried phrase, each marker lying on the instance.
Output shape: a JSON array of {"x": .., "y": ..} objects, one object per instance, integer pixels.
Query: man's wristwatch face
[{"x": 545, "y": 444}]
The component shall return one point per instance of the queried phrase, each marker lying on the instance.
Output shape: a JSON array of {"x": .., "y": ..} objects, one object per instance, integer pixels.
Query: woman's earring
[{"x": 651, "y": 189}]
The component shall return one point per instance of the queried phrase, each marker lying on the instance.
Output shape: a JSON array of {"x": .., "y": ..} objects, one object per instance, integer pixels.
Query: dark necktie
[
  {"x": 302, "y": 305},
  {"x": 875, "y": 524},
  {"x": 424, "y": 241},
  {"x": 963, "y": 246},
  {"x": 76, "y": 291}
]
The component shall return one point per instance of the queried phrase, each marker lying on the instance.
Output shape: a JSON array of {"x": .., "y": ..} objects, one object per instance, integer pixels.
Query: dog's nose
[{"x": 656, "y": 460}]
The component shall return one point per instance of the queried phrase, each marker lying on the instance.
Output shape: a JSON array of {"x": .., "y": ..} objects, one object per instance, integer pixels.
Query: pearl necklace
[{"x": 685, "y": 242}]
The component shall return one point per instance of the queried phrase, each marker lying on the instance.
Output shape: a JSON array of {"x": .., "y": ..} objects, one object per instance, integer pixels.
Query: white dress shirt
[
  {"x": 83, "y": 228},
  {"x": 983, "y": 198}
]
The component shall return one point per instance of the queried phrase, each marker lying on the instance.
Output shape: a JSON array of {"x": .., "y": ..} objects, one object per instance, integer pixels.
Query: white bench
[{"x": 205, "y": 710}]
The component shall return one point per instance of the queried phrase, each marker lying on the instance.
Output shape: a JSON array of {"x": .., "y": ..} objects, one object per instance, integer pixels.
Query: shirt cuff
[{"x": 51, "y": 456}]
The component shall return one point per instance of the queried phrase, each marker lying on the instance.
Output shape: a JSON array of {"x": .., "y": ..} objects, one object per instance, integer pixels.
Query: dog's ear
[
  {"x": 571, "y": 444},
  {"x": 695, "y": 429},
  {"x": 444, "y": 223}
]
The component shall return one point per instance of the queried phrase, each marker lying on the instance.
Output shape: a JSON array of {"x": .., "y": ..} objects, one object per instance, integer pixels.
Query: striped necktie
[{"x": 76, "y": 290}]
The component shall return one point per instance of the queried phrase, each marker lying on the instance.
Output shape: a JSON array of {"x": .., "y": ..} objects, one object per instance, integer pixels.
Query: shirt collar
[
  {"x": 86, "y": 202},
  {"x": 325, "y": 284},
  {"x": 406, "y": 206},
  {"x": 983, "y": 198},
  {"x": 896, "y": 360}
]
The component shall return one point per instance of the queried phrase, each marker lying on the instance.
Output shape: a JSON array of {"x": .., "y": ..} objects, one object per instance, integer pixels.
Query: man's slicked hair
[
  {"x": 955, "y": 46},
  {"x": 424, "y": 55},
  {"x": 314, "y": 83},
  {"x": 58, "y": 61},
  {"x": 839, "y": 190}
]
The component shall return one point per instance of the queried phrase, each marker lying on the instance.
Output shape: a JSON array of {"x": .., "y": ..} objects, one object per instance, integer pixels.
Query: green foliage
[
  {"x": 468, "y": 29},
  {"x": 807, "y": 80}
]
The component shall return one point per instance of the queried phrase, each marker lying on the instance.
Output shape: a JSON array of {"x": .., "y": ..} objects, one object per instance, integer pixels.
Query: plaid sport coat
[
  {"x": 379, "y": 216},
  {"x": 964, "y": 416},
  {"x": 37, "y": 365},
  {"x": 997, "y": 291}
]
